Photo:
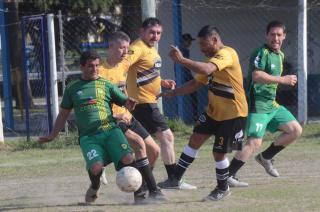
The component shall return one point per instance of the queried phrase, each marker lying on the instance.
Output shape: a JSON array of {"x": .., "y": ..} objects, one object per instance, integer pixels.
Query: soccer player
[
  {"x": 115, "y": 70},
  {"x": 144, "y": 84},
  {"x": 101, "y": 140},
  {"x": 225, "y": 116},
  {"x": 264, "y": 75}
]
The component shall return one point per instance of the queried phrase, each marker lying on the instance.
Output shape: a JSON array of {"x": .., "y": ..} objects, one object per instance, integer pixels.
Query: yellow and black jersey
[
  {"x": 226, "y": 96},
  {"x": 144, "y": 81},
  {"x": 116, "y": 75}
]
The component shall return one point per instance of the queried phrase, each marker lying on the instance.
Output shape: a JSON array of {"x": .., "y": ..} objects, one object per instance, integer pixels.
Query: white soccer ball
[{"x": 129, "y": 179}]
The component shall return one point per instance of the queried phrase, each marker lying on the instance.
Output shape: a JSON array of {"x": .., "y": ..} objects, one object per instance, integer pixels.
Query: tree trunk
[
  {"x": 131, "y": 21},
  {"x": 16, "y": 57}
]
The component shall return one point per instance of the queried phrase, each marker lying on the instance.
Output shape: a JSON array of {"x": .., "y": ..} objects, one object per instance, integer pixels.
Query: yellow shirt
[
  {"x": 117, "y": 75},
  {"x": 226, "y": 96},
  {"x": 144, "y": 81}
]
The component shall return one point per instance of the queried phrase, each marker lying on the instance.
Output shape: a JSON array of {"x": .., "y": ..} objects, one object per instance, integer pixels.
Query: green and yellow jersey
[
  {"x": 91, "y": 101},
  {"x": 262, "y": 97},
  {"x": 144, "y": 81},
  {"x": 118, "y": 76},
  {"x": 226, "y": 96}
]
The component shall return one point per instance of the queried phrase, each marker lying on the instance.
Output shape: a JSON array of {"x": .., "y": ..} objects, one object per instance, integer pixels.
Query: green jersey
[
  {"x": 262, "y": 97},
  {"x": 91, "y": 101}
]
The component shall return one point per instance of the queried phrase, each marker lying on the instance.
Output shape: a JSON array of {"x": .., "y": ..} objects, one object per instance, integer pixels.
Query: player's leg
[
  {"x": 154, "y": 123},
  {"x": 153, "y": 150},
  {"x": 229, "y": 136},
  {"x": 94, "y": 156},
  {"x": 255, "y": 128},
  {"x": 290, "y": 129}
]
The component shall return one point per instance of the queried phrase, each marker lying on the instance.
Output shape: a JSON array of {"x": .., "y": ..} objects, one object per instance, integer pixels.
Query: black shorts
[
  {"x": 229, "y": 134},
  {"x": 134, "y": 126},
  {"x": 150, "y": 117}
]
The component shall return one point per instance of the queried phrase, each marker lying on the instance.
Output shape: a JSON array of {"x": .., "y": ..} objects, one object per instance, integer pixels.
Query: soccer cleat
[
  {"x": 217, "y": 194},
  {"x": 176, "y": 184},
  {"x": 157, "y": 197},
  {"x": 91, "y": 195},
  {"x": 139, "y": 197},
  {"x": 234, "y": 182},
  {"x": 103, "y": 177},
  {"x": 267, "y": 165}
]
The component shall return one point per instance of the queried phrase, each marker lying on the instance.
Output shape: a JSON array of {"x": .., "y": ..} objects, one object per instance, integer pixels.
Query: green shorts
[
  {"x": 258, "y": 123},
  {"x": 105, "y": 147}
]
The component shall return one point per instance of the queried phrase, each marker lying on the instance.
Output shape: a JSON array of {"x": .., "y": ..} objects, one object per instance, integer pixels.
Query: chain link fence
[{"x": 242, "y": 26}]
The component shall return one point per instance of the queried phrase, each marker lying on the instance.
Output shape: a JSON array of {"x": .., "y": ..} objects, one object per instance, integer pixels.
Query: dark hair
[
  {"x": 150, "y": 22},
  {"x": 208, "y": 31},
  {"x": 88, "y": 55},
  {"x": 118, "y": 36},
  {"x": 275, "y": 23}
]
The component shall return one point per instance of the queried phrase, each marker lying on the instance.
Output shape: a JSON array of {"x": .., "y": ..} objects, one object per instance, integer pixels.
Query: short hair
[
  {"x": 118, "y": 36},
  {"x": 88, "y": 55},
  {"x": 208, "y": 31},
  {"x": 150, "y": 22},
  {"x": 275, "y": 23}
]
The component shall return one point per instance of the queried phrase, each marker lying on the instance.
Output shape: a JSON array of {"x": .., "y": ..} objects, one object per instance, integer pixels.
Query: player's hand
[
  {"x": 45, "y": 139},
  {"x": 123, "y": 117},
  {"x": 289, "y": 80},
  {"x": 130, "y": 103},
  {"x": 175, "y": 54},
  {"x": 168, "y": 83},
  {"x": 167, "y": 94}
]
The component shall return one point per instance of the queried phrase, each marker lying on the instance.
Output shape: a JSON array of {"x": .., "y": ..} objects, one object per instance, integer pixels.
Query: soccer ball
[{"x": 129, "y": 179}]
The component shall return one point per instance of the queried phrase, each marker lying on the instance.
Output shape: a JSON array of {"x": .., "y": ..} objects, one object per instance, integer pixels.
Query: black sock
[
  {"x": 95, "y": 180},
  {"x": 234, "y": 167},
  {"x": 144, "y": 168},
  {"x": 170, "y": 170},
  {"x": 271, "y": 151},
  {"x": 183, "y": 164},
  {"x": 222, "y": 176}
]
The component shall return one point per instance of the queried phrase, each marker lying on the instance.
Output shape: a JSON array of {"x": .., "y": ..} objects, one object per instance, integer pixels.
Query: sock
[
  {"x": 170, "y": 170},
  {"x": 271, "y": 151},
  {"x": 144, "y": 168},
  {"x": 222, "y": 174},
  {"x": 234, "y": 167},
  {"x": 185, "y": 160},
  {"x": 95, "y": 180}
]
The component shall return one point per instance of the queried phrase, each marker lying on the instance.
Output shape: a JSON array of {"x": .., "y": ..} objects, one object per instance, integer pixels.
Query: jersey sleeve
[
  {"x": 135, "y": 53},
  {"x": 117, "y": 96},
  {"x": 222, "y": 59},
  {"x": 202, "y": 78},
  {"x": 260, "y": 59},
  {"x": 66, "y": 102}
]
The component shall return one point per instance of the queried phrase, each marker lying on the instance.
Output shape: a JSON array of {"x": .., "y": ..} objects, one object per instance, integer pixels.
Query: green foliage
[
  {"x": 177, "y": 125},
  {"x": 64, "y": 141},
  {"x": 74, "y": 6}
]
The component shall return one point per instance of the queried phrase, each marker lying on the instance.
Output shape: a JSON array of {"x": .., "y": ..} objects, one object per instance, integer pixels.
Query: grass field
[{"x": 53, "y": 178}]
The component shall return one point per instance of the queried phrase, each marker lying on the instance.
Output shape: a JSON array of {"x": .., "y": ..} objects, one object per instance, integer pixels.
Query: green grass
[{"x": 52, "y": 178}]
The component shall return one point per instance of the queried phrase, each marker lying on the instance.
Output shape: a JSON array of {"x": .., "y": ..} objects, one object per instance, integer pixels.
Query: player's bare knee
[
  {"x": 96, "y": 168},
  {"x": 127, "y": 159},
  {"x": 297, "y": 131}
]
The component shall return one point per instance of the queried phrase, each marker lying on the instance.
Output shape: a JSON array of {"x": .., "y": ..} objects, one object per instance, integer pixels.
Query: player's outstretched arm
[
  {"x": 205, "y": 68},
  {"x": 188, "y": 87},
  {"x": 59, "y": 124},
  {"x": 260, "y": 76}
]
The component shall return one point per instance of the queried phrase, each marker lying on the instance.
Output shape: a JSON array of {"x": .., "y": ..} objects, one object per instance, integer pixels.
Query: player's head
[
  {"x": 118, "y": 45},
  {"x": 187, "y": 40},
  {"x": 209, "y": 40},
  {"x": 89, "y": 64},
  {"x": 151, "y": 31},
  {"x": 275, "y": 34}
]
